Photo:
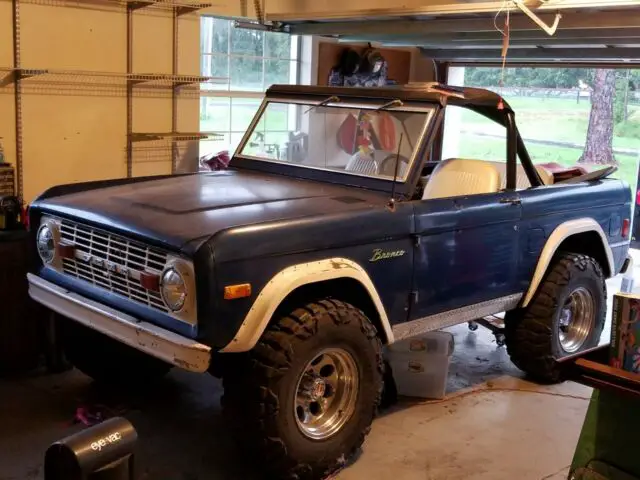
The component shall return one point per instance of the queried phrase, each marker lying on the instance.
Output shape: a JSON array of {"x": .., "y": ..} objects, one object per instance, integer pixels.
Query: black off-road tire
[
  {"x": 260, "y": 389},
  {"x": 532, "y": 333},
  {"x": 108, "y": 361}
]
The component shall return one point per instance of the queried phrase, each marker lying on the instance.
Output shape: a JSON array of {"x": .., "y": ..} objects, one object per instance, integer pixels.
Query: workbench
[{"x": 606, "y": 449}]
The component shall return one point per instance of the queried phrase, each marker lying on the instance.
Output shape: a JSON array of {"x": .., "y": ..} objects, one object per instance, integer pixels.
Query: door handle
[{"x": 512, "y": 201}]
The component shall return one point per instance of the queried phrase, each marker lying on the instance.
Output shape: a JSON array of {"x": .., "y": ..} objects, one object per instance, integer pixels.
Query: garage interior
[{"x": 92, "y": 90}]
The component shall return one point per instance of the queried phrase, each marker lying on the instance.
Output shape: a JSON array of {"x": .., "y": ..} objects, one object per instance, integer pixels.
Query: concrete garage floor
[{"x": 492, "y": 425}]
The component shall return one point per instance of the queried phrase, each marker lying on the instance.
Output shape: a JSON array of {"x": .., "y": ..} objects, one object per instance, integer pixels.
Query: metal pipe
[
  {"x": 17, "y": 97},
  {"x": 174, "y": 92},
  {"x": 129, "y": 91},
  {"x": 512, "y": 150}
]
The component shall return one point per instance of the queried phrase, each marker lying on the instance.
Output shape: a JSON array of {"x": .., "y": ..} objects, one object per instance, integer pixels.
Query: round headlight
[
  {"x": 46, "y": 244},
  {"x": 173, "y": 289}
]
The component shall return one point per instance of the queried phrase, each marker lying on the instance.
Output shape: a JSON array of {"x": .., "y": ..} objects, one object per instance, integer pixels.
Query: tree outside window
[{"x": 565, "y": 115}]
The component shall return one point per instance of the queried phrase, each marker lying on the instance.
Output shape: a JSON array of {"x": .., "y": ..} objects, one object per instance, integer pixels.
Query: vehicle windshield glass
[{"x": 353, "y": 139}]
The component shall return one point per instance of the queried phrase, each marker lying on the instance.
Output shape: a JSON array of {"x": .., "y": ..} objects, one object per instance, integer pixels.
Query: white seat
[
  {"x": 545, "y": 175},
  {"x": 457, "y": 177}
]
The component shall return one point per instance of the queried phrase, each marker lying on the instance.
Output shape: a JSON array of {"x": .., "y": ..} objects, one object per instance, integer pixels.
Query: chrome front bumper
[{"x": 146, "y": 337}]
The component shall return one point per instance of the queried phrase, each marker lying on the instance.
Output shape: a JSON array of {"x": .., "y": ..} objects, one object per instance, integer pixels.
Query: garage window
[
  {"x": 251, "y": 61},
  {"x": 554, "y": 109}
]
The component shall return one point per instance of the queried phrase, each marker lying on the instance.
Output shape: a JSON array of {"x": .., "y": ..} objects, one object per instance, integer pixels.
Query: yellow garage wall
[{"x": 74, "y": 127}]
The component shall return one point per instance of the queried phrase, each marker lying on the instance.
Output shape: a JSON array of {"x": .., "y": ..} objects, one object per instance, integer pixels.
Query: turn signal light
[
  {"x": 626, "y": 224},
  {"x": 66, "y": 251},
  {"x": 237, "y": 291},
  {"x": 150, "y": 281}
]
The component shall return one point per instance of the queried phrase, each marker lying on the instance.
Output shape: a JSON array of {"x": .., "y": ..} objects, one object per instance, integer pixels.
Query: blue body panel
[
  {"x": 472, "y": 244},
  {"x": 544, "y": 208}
]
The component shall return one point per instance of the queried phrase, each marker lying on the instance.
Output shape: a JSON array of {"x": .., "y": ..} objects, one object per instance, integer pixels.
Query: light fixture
[
  {"x": 46, "y": 244},
  {"x": 173, "y": 289}
]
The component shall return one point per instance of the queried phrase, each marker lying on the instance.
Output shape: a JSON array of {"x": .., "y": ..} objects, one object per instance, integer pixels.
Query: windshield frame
[{"x": 312, "y": 172}]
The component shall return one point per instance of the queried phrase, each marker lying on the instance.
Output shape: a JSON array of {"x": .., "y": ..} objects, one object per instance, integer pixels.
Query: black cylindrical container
[{"x": 102, "y": 452}]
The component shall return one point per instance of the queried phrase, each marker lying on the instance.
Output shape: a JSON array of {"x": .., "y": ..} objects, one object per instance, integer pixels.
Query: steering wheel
[{"x": 388, "y": 165}]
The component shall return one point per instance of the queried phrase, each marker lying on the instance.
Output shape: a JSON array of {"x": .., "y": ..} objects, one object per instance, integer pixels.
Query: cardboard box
[{"x": 624, "y": 352}]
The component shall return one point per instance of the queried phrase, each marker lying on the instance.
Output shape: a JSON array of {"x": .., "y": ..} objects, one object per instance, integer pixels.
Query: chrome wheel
[
  {"x": 577, "y": 320},
  {"x": 326, "y": 394}
]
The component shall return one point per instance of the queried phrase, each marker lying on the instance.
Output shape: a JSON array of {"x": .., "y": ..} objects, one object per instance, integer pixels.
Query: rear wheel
[
  {"x": 106, "y": 360},
  {"x": 566, "y": 316},
  {"x": 304, "y": 398}
]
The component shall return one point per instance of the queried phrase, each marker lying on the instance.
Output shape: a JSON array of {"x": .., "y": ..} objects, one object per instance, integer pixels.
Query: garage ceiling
[{"x": 589, "y": 31}]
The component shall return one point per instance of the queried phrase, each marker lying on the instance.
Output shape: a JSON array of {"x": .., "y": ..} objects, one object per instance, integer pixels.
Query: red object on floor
[
  {"x": 216, "y": 161},
  {"x": 84, "y": 416},
  {"x": 90, "y": 415}
]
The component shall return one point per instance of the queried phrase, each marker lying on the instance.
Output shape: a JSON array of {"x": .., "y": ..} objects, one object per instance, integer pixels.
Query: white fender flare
[
  {"x": 285, "y": 282},
  {"x": 561, "y": 233}
]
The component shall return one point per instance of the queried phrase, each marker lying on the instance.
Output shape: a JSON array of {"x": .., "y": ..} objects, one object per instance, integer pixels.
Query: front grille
[{"x": 97, "y": 250}]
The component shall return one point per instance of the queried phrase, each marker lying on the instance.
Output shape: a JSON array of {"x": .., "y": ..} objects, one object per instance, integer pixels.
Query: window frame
[
  {"x": 405, "y": 186},
  {"x": 516, "y": 150},
  {"x": 231, "y": 93}
]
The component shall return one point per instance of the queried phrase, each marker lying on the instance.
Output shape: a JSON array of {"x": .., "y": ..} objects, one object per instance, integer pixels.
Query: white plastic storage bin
[{"x": 420, "y": 365}]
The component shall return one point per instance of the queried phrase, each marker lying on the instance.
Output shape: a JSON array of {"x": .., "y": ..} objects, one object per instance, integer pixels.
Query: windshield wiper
[
  {"x": 393, "y": 103},
  {"x": 332, "y": 99}
]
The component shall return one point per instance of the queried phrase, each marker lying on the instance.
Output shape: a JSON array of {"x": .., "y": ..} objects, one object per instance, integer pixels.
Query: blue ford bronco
[{"x": 331, "y": 234}]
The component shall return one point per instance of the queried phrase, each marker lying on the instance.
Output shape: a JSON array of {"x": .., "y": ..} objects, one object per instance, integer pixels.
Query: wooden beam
[
  {"x": 477, "y": 37},
  {"x": 335, "y": 10},
  {"x": 566, "y": 43},
  {"x": 536, "y": 54},
  {"x": 629, "y": 19}
]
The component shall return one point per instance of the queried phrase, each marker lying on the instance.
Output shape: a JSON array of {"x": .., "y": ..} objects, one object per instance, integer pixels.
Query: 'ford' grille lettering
[{"x": 112, "y": 262}]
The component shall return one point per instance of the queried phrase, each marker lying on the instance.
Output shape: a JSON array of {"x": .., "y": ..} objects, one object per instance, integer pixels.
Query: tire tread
[
  {"x": 265, "y": 364},
  {"x": 529, "y": 331}
]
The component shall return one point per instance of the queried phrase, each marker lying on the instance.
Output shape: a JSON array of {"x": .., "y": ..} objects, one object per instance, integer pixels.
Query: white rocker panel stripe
[{"x": 455, "y": 317}]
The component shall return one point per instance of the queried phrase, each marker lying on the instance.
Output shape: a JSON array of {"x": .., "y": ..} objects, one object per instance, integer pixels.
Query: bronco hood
[{"x": 177, "y": 210}]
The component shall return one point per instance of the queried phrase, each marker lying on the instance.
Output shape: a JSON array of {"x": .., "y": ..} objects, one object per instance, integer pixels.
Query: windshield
[{"x": 359, "y": 140}]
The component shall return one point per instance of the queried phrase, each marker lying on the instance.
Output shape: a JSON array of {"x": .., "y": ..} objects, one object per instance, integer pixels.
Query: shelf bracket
[
  {"x": 8, "y": 79},
  {"x": 184, "y": 9},
  {"x": 20, "y": 73},
  {"x": 138, "y": 4}
]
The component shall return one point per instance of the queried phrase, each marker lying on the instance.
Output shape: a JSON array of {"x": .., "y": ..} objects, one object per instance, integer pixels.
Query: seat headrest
[{"x": 458, "y": 176}]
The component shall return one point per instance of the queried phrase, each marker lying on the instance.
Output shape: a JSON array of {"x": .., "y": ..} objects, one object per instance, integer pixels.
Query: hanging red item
[
  {"x": 386, "y": 132},
  {"x": 347, "y": 133}
]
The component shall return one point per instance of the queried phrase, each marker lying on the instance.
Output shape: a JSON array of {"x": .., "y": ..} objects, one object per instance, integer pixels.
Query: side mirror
[{"x": 104, "y": 451}]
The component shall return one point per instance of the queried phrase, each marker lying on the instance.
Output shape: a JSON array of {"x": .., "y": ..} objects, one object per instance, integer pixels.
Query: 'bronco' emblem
[{"x": 378, "y": 254}]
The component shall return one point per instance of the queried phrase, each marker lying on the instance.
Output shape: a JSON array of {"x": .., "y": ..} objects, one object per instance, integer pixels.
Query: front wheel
[
  {"x": 304, "y": 398},
  {"x": 566, "y": 316}
]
